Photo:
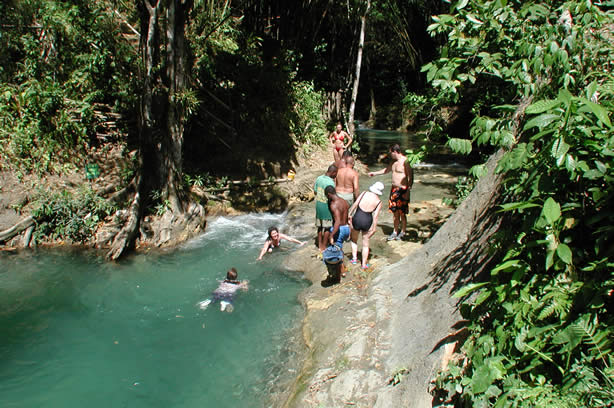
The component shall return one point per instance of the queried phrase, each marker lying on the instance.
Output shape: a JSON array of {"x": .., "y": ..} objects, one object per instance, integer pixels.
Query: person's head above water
[
  {"x": 231, "y": 274},
  {"x": 272, "y": 231}
]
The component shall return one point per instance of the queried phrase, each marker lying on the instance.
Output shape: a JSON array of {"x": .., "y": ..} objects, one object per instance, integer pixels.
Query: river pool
[{"x": 76, "y": 331}]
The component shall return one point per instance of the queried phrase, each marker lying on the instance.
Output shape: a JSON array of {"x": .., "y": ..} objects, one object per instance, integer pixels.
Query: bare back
[
  {"x": 369, "y": 202},
  {"x": 339, "y": 209},
  {"x": 347, "y": 181}
]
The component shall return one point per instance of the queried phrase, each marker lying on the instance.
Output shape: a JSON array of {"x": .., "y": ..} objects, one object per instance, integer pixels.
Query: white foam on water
[{"x": 252, "y": 230}]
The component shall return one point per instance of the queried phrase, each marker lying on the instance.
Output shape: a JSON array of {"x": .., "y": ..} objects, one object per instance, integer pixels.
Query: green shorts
[{"x": 348, "y": 197}]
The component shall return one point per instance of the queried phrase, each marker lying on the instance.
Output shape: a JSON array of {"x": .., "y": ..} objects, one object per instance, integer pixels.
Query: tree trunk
[
  {"x": 171, "y": 160},
  {"x": 127, "y": 235},
  {"x": 373, "y": 110},
  {"x": 361, "y": 43}
]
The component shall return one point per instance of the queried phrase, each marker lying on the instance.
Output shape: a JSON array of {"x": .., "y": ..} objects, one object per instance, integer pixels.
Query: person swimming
[
  {"x": 225, "y": 292},
  {"x": 274, "y": 241}
]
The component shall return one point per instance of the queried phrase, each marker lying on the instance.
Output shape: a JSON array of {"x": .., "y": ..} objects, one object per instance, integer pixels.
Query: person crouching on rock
[
  {"x": 226, "y": 292},
  {"x": 274, "y": 241}
]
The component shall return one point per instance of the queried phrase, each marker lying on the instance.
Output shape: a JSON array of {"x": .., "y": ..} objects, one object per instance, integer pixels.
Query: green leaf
[
  {"x": 564, "y": 253},
  {"x": 517, "y": 206},
  {"x": 465, "y": 290},
  {"x": 460, "y": 145},
  {"x": 461, "y": 4},
  {"x": 541, "y": 121},
  {"x": 599, "y": 111},
  {"x": 542, "y": 106},
  {"x": 552, "y": 210}
]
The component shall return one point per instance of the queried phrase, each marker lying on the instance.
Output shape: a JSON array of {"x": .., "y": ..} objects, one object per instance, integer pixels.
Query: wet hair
[
  {"x": 231, "y": 274},
  {"x": 346, "y": 154},
  {"x": 330, "y": 190},
  {"x": 271, "y": 229},
  {"x": 395, "y": 148}
]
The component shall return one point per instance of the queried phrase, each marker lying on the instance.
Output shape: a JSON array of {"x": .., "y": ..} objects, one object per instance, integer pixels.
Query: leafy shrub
[
  {"x": 307, "y": 123},
  {"x": 70, "y": 217}
]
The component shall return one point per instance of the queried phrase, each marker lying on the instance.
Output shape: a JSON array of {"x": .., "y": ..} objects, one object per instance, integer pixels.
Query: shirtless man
[
  {"x": 337, "y": 140},
  {"x": 402, "y": 181},
  {"x": 340, "y": 230},
  {"x": 346, "y": 182}
]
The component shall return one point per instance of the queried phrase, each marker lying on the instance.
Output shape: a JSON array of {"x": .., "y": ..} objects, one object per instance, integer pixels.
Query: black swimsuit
[{"x": 362, "y": 220}]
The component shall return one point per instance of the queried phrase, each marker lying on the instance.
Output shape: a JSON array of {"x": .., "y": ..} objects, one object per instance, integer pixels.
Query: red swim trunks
[{"x": 396, "y": 202}]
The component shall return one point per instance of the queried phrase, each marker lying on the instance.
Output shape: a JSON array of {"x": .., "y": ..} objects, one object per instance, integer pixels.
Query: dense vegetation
[{"x": 541, "y": 325}]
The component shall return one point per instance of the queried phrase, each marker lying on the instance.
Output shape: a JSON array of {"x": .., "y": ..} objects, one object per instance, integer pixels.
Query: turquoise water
[{"x": 76, "y": 331}]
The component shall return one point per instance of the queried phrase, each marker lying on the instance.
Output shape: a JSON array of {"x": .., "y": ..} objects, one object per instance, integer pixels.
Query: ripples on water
[{"x": 77, "y": 331}]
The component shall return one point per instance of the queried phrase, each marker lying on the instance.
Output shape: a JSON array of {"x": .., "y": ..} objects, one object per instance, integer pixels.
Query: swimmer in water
[
  {"x": 226, "y": 292},
  {"x": 274, "y": 241}
]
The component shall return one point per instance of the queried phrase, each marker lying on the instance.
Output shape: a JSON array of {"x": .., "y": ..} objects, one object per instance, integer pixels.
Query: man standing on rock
[
  {"x": 340, "y": 232},
  {"x": 402, "y": 182},
  {"x": 347, "y": 182},
  {"x": 324, "y": 219}
]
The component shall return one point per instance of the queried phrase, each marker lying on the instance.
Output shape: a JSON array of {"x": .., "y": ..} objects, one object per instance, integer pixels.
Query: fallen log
[{"x": 16, "y": 229}]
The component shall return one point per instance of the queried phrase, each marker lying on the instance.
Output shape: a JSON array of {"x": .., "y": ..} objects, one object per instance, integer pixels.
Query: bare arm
[
  {"x": 264, "y": 249},
  {"x": 336, "y": 212},
  {"x": 352, "y": 210},
  {"x": 288, "y": 238},
  {"x": 355, "y": 185},
  {"x": 382, "y": 171},
  {"x": 350, "y": 139},
  {"x": 409, "y": 173},
  {"x": 374, "y": 223}
]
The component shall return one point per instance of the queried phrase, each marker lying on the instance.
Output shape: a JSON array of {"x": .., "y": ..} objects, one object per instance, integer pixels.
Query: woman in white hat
[{"x": 363, "y": 218}]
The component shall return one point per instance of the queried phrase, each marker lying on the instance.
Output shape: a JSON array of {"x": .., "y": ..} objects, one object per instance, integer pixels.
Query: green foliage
[
  {"x": 463, "y": 187},
  {"x": 307, "y": 123},
  {"x": 60, "y": 61},
  {"x": 541, "y": 326},
  {"x": 70, "y": 217}
]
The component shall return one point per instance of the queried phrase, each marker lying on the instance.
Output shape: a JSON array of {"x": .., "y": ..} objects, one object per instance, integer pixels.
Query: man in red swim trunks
[{"x": 402, "y": 181}]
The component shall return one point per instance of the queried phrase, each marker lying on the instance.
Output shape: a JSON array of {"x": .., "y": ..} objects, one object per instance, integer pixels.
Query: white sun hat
[{"x": 377, "y": 188}]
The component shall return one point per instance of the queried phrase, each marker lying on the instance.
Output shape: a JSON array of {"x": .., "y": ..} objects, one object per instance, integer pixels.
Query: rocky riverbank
[{"x": 345, "y": 327}]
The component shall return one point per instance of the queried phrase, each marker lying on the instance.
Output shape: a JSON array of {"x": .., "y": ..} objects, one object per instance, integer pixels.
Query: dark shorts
[{"x": 396, "y": 202}]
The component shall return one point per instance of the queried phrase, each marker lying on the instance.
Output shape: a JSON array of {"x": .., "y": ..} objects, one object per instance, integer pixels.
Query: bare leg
[
  {"x": 354, "y": 238},
  {"x": 403, "y": 217},
  {"x": 337, "y": 154},
  {"x": 395, "y": 221},
  {"x": 365, "y": 250},
  {"x": 326, "y": 239},
  {"x": 321, "y": 240}
]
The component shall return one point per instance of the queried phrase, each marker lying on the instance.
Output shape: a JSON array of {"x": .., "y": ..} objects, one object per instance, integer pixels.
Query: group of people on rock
[{"x": 343, "y": 213}]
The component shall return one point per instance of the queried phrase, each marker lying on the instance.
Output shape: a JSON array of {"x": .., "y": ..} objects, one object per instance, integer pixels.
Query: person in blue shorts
[
  {"x": 225, "y": 292},
  {"x": 340, "y": 231}
]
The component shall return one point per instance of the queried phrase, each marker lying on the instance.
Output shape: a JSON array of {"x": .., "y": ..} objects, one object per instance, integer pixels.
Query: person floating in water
[
  {"x": 226, "y": 292},
  {"x": 274, "y": 241}
]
